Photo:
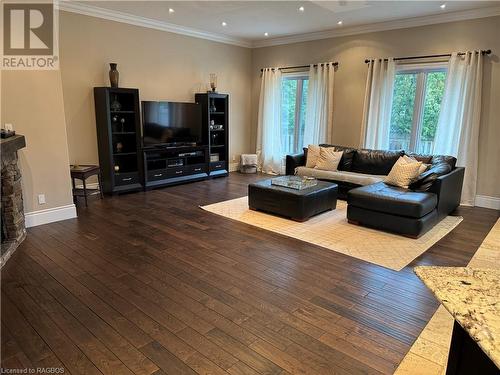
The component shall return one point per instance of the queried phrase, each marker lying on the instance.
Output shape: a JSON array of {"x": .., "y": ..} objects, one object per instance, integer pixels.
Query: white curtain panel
[
  {"x": 319, "y": 110},
  {"x": 269, "y": 148},
  {"x": 457, "y": 131},
  {"x": 376, "y": 121}
]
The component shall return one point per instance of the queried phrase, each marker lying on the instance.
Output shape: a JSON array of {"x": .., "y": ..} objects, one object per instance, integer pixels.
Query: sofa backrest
[
  {"x": 434, "y": 159},
  {"x": 381, "y": 161},
  {"x": 375, "y": 161}
]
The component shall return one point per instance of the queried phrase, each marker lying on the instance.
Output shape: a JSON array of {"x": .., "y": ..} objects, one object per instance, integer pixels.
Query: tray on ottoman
[{"x": 299, "y": 205}]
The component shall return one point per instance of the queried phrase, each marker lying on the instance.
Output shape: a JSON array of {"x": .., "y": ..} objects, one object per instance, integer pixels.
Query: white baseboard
[
  {"x": 35, "y": 218},
  {"x": 488, "y": 202}
]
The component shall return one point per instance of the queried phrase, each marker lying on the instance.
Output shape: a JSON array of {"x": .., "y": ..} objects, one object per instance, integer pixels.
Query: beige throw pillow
[
  {"x": 410, "y": 159},
  {"x": 403, "y": 173},
  {"x": 312, "y": 155},
  {"x": 328, "y": 159}
]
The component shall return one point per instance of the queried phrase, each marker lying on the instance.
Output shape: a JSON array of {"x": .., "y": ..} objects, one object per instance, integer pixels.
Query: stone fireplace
[{"x": 13, "y": 228}]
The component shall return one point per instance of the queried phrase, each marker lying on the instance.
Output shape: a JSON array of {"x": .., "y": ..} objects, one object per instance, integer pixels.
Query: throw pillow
[
  {"x": 312, "y": 156},
  {"x": 411, "y": 159},
  {"x": 346, "y": 161},
  {"x": 328, "y": 159},
  {"x": 403, "y": 173}
]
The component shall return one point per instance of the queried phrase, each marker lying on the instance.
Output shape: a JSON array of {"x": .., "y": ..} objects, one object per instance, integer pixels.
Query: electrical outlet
[
  {"x": 8, "y": 127},
  {"x": 41, "y": 199},
  {"x": 234, "y": 157}
]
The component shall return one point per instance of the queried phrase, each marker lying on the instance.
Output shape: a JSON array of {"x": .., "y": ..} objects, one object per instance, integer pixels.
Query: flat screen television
[{"x": 171, "y": 123}]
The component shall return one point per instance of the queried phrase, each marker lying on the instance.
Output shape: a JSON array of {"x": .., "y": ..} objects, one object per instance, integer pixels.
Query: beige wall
[
  {"x": 350, "y": 79},
  {"x": 161, "y": 65},
  {"x": 33, "y": 102}
]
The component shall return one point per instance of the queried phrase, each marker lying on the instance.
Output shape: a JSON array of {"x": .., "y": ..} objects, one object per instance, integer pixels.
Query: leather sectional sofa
[{"x": 371, "y": 202}]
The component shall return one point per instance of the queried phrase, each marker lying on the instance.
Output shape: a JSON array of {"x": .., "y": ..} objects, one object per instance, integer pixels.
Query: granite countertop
[{"x": 472, "y": 297}]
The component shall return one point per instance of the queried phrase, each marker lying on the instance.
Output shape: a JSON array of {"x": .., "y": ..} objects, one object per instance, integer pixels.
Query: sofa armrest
[
  {"x": 448, "y": 188},
  {"x": 294, "y": 161}
]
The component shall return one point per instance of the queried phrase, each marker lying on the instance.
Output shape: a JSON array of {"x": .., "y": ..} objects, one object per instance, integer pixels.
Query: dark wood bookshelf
[
  {"x": 215, "y": 107},
  {"x": 119, "y": 139}
]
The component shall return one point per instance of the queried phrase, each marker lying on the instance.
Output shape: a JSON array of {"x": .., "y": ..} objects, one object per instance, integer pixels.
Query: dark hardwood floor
[{"x": 148, "y": 283}]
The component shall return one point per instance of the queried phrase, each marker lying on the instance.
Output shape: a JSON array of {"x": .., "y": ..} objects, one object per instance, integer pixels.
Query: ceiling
[{"x": 247, "y": 21}]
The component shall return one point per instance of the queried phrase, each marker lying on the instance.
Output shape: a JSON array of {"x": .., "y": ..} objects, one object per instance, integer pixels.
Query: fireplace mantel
[
  {"x": 13, "y": 227},
  {"x": 12, "y": 144}
]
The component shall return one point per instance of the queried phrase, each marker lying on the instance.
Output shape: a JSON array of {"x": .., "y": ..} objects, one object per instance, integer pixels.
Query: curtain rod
[
  {"x": 484, "y": 52},
  {"x": 335, "y": 64}
]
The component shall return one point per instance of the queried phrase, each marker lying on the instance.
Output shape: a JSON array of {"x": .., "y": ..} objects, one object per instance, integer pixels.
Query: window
[
  {"x": 293, "y": 110},
  {"x": 418, "y": 92}
]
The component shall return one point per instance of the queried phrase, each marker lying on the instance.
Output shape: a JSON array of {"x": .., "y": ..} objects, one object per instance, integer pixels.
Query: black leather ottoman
[
  {"x": 299, "y": 205},
  {"x": 403, "y": 211}
]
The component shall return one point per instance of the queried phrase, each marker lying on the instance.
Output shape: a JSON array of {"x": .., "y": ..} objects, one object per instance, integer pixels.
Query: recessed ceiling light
[
  {"x": 339, "y": 23},
  {"x": 266, "y": 34},
  {"x": 170, "y": 10},
  {"x": 301, "y": 9},
  {"x": 224, "y": 24},
  {"x": 442, "y": 6}
]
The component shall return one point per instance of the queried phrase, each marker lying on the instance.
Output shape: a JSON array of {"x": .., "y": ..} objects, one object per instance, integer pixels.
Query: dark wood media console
[
  {"x": 174, "y": 165},
  {"x": 128, "y": 166}
]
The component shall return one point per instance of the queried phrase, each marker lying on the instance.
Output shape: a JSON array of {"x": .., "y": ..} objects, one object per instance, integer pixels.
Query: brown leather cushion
[
  {"x": 450, "y": 160},
  {"x": 426, "y": 179},
  {"x": 392, "y": 200},
  {"x": 374, "y": 161},
  {"x": 426, "y": 159}
]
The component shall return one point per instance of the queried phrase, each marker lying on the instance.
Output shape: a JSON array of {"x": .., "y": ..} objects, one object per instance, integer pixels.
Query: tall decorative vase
[{"x": 113, "y": 75}]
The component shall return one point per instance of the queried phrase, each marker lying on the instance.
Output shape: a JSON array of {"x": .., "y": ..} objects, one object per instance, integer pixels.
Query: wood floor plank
[
  {"x": 166, "y": 360},
  {"x": 244, "y": 353},
  {"x": 69, "y": 354},
  {"x": 151, "y": 284},
  {"x": 116, "y": 343},
  {"x": 23, "y": 333}
]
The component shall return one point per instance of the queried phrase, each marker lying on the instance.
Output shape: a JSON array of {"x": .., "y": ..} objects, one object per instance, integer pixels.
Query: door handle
[
  {"x": 178, "y": 172},
  {"x": 126, "y": 179},
  {"x": 158, "y": 175}
]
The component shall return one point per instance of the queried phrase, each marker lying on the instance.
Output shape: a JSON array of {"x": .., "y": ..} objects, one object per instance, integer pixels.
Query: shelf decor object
[
  {"x": 114, "y": 75},
  {"x": 115, "y": 105},
  {"x": 213, "y": 82},
  {"x": 119, "y": 139}
]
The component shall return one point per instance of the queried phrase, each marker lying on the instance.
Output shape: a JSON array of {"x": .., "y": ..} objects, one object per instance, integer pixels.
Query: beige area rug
[{"x": 332, "y": 231}]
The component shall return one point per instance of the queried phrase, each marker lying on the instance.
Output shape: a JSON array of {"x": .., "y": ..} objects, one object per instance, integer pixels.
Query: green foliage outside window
[
  {"x": 289, "y": 96},
  {"x": 404, "y": 99},
  {"x": 290, "y": 92},
  {"x": 433, "y": 98}
]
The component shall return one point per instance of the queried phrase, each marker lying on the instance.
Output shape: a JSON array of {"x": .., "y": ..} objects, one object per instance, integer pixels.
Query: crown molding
[
  {"x": 381, "y": 26},
  {"x": 114, "y": 15},
  {"x": 117, "y": 16}
]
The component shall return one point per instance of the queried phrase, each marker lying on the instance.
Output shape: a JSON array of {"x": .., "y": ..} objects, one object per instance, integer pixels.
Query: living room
[{"x": 339, "y": 258}]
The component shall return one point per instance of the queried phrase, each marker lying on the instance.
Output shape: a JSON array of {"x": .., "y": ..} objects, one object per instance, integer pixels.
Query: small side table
[{"x": 82, "y": 172}]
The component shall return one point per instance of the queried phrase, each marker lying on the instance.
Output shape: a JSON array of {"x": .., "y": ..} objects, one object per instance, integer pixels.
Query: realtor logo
[{"x": 29, "y": 36}]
